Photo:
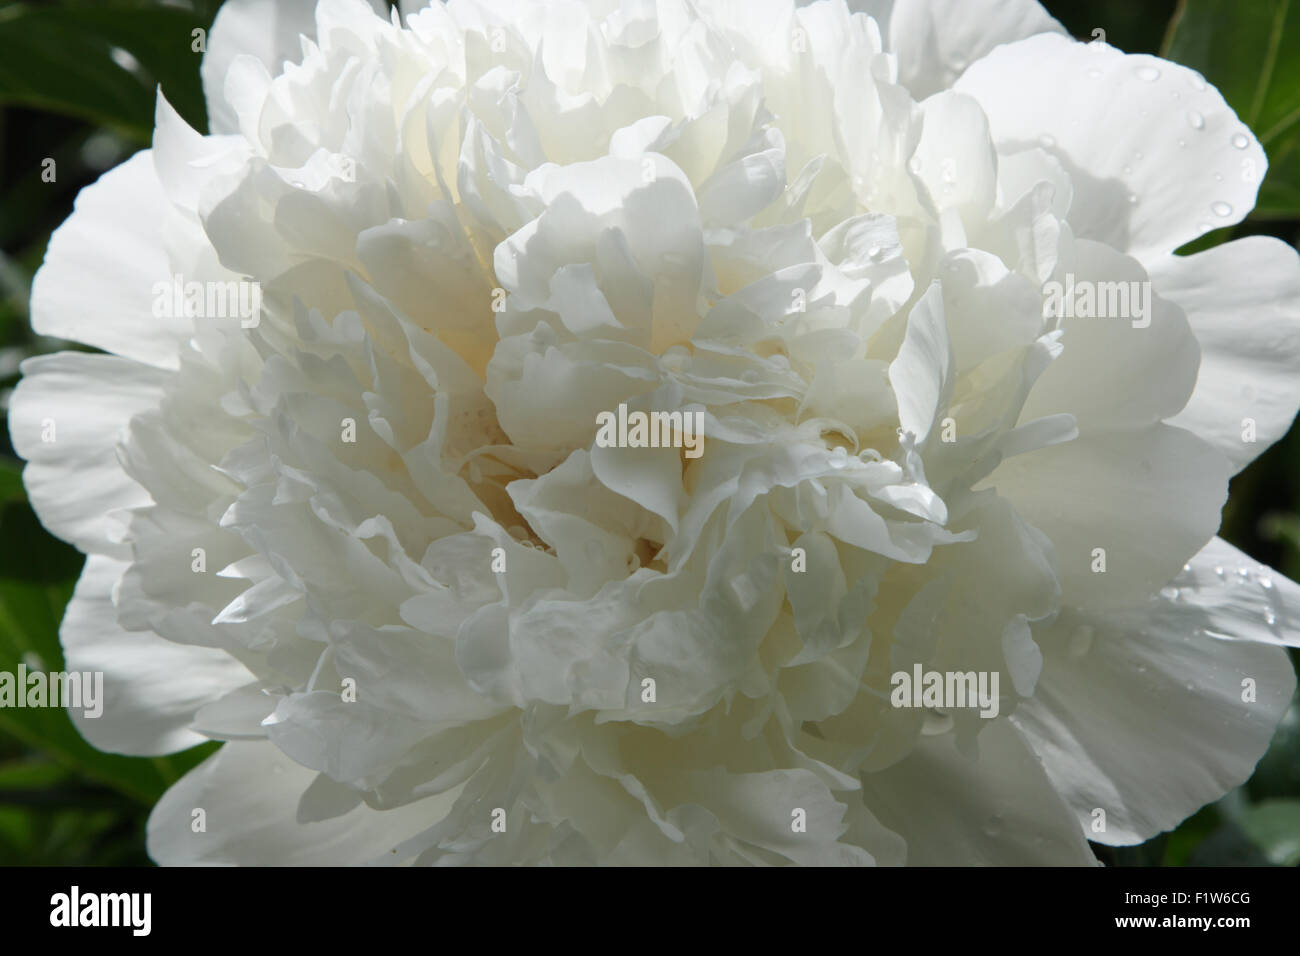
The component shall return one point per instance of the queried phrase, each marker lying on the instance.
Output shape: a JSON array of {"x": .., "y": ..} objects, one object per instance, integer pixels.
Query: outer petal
[
  {"x": 65, "y": 419},
  {"x": 995, "y": 809},
  {"x": 249, "y": 793},
  {"x": 1144, "y": 715},
  {"x": 1227, "y": 594},
  {"x": 97, "y": 283},
  {"x": 1149, "y": 496},
  {"x": 152, "y": 687},
  {"x": 935, "y": 40},
  {"x": 1243, "y": 302},
  {"x": 269, "y": 30},
  {"x": 1173, "y": 162}
]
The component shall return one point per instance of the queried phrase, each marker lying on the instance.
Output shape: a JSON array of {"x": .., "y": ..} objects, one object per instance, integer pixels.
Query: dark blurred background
[{"x": 77, "y": 81}]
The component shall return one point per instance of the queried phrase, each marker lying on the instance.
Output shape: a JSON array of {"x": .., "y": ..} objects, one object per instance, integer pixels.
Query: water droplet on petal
[
  {"x": 1148, "y": 74},
  {"x": 1047, "y": 141},
  {"x": 914, "y": 164},
  {"x": 1240, "y": 141},
  {"x": 1195, "y": 120},
  {"x": 936, "y": 722},
  {"x": 1218, "y": 571},
  {"x": 1094, "y": 73},
  {"x": 1132, "y": 199},
  {"x": 1182, "y": 144},
  {"x": 839, "y": 457},
  {"x": 1270, "y": 616},
  {"x": 1080, "y": 641},
  {"x": 1197, "y": 81},
  {"x": 1221, "y": 209},
  {"x": 994, "y": 827},
  {"x": 1266, "y": 583},
  {"x": 1169, "y": 593}
]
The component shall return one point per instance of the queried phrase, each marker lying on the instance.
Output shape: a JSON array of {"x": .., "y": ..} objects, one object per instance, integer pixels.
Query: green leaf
[
  {"x": 11, "y": 480},
  {"x": 62, "y": 59},
  {"x": 1274, "y": 827},
  {"x": 1247, "y": 50}
]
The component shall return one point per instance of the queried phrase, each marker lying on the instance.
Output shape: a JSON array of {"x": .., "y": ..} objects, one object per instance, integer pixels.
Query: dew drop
[
  {"x": 1218, "y": 571},
  {"x": 839, "y": 457},
  {"x": 1197, "y": 81},
  {"x": 1195, "y": 120},
  {"x": 936, "y": 722},
  {"x": 1204, "y": 226},
  {"x": 1221, "y": 208},
  {"x": 1240, "y": 141},
  {"x": 914, "y": 164},
  {"x": 1128, "y": 169},
  {"x": 1182, "y": 143},
  {"x": 1047, "y": 141},
  {"x": 1094, "y": 73},
  {"x": 1170, "y": 593},
  {"x": 1148, "y": 74},
  {"x": 994, "y": 826},
  {"x": 1080, "y": 642},
  {"x": 1266, "y": 583},
  {"x": 1270, "y": 617},
  {"x": 1218, "y": 177},
  {"x": 1132, "y": 199}
]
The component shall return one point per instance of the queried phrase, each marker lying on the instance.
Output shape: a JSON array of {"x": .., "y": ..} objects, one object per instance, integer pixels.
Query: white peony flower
[{"x": 366, "y": 535}]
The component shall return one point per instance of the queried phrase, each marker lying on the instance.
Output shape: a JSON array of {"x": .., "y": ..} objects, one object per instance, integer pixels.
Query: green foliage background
[{"x": 66, "y": 92}]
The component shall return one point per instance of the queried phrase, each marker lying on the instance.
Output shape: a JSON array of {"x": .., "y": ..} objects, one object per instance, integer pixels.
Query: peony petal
[
  {"x": 152, "y": 687},
  {"x": 269, "y": 30},
  {"x": 66, "y": 418},
  {"x": 106, "y": 265},
  {"x": 1139, "y": 713},
  {"x": 257, "y": 825},
  {"x": 921, "y": 375},
  {"x": 1187, "y": 162},
  {"x": 995, "y": 809},
  {"x": 1149, "y": 497},
  {"x": 1243, "y": 302},
  {"x": 935, "y": 40}
]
